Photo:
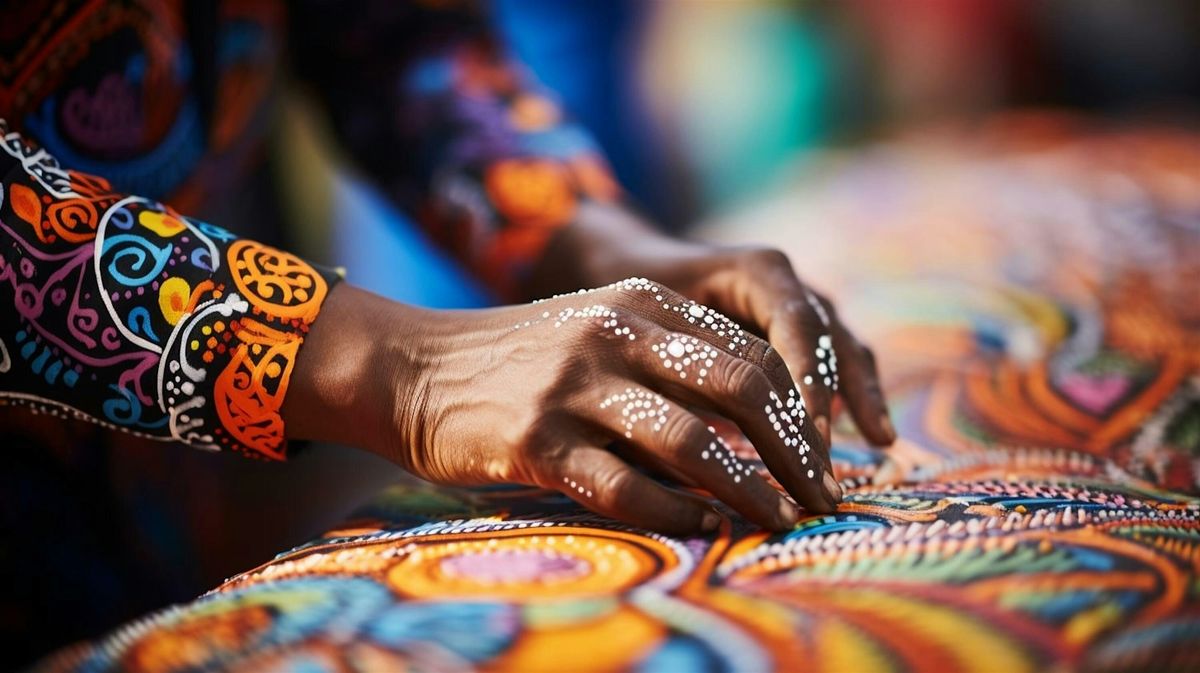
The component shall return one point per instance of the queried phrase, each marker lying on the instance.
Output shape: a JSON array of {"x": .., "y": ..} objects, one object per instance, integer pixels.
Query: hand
[
  {"x": 536, "y": 394},
  {"x": 756, "y": 286}
]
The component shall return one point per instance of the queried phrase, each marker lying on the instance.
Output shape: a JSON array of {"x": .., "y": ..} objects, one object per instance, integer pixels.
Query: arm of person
[
  {"x": 126, "y": 313},
  {"x": 428, "y": 101},
  {"x": 123, "y": 312}
]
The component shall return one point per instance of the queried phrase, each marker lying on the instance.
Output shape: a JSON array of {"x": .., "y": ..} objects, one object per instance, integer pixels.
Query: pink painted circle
[{"x": 510, "y": 566}]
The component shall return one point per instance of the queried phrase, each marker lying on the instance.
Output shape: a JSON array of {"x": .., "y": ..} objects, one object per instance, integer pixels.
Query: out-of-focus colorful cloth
[{"x": 1031, "y": 289}]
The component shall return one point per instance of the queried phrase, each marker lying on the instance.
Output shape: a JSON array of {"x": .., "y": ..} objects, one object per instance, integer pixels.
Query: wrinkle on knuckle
[
  {"x": 611, "y": 484},
  {"x": 743, "y": 380},
  {"x": 680, "y": 434}
]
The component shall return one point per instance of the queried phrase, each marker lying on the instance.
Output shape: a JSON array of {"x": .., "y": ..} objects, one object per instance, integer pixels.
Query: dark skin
[{"x": 481, "y": 397}]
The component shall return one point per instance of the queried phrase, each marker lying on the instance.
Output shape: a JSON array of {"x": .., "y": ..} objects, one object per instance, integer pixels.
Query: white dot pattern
[{"x": 637, "y": 406}]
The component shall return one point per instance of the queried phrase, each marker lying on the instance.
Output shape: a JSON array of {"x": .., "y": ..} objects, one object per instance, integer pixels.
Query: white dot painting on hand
[
  {"x": 719, "y": 449},
  {"x": 599, "y": 313},
  {"x": 685, "y": 354},
  {"x": 826, "y": 357},
  {"x": 575, "y": 486},
  {"x": 826, "y": 363},
  {"x": 639, "y": 405},
  {"x": 786, "y": 419},
  {"x": 729, "y": 334}
]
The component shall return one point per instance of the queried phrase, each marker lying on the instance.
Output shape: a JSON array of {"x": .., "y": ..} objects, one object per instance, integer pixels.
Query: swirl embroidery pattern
[{"x": 135, "y": 317}]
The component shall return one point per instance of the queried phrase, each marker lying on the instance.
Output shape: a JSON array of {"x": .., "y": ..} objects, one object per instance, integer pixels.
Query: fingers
[
  {"x": 676, "y": 438},
  {"x": 688, "y": 369},
  {"x": 804, "y": 344},
  {"x": 818, "y": 348},
  {"x": 858, "y": 378},
  {"x": 788, "y": 349},
  {"x": 605, "y": 484},
  {"x": 713, "y": 363}
]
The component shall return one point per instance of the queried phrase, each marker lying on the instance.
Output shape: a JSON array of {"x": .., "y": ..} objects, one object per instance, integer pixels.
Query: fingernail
[
  {"x": 822, "y": 424},
  {"x": 710, "y": 521},
  {"x": 885, "y": 422},
  {"x": 788, "y": 514},
  {"x": 832, "y": 487}
]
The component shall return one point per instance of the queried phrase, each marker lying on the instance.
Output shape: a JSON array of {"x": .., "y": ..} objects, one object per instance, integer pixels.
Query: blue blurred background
[{"x": 703, "y": 105}]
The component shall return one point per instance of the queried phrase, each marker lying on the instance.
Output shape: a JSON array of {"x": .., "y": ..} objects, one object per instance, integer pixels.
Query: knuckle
[
  {"x": 756, "y": 347},
  {"x": 611, "y": 484},
  {"x": 665, "y": 295},
  {"x": 550, "y": 459},
  {"x": 773, "y": 362},
  {"x": 682, "y": 432},
  {"x": 744, "y": 380}
]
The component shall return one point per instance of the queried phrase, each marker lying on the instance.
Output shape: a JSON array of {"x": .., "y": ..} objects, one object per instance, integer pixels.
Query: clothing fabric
[
  {"x": 130, "y": 315},
  {"x": 1030, "y": 289}
]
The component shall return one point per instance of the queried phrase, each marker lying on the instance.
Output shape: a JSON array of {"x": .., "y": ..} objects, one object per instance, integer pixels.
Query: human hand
[
  {"x": 754, "y": 285},
  {"x": 537, "y": 393}
]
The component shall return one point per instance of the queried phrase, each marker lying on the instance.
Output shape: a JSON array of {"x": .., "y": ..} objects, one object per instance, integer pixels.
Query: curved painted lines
[
  {"x": 104, "y": 293},
  {"x": 102, "y": 239}
]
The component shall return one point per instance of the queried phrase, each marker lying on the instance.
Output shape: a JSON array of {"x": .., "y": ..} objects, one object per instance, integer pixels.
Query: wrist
[
  {"x": 605, "y": 243},
  {"x": 356, "y": 373}
]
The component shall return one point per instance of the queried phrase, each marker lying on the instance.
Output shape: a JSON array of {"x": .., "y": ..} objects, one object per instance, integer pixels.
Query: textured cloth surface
[{"x": 1030, "y": 289}]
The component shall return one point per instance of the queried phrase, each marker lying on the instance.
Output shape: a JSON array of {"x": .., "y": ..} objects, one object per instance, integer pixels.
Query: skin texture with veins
[{"x": 540, "y": 382}]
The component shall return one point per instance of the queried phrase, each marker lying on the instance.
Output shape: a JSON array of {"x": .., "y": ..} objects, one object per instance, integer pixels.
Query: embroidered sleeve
[
  {"x": 120, "y": 311},
  {"x": 428, "y": 101}
]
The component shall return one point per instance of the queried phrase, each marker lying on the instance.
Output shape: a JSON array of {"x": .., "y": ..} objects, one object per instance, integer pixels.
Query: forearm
[
  {"x": 126, "y": 313},
  {"x": 594, "y": 249}
]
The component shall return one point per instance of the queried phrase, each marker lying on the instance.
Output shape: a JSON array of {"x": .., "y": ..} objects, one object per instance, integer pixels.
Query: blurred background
[{"x": 704, "y": 105}]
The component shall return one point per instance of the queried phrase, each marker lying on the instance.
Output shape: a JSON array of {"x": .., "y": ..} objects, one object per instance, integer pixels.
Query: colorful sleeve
[
  {"x": 120, "y": 311},
  {"x": 427, "y": 100}
]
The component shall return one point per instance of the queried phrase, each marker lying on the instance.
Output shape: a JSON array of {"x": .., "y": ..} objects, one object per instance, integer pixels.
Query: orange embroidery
[
  {"x": 26, "y": 205},
  {"x": 73, "y": 220},
  {"x": 535, "y": 192},
  {"x": 91, "y": 187},
  {"x": 276, "y": 282},
  {"x": 250, "y": 390}
]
